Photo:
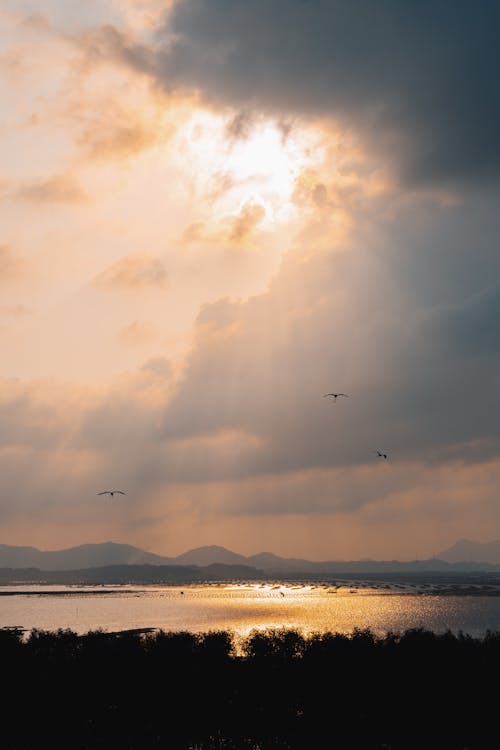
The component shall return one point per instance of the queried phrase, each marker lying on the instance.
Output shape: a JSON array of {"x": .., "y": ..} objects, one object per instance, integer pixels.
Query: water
[{"x": 242, "y": 608}]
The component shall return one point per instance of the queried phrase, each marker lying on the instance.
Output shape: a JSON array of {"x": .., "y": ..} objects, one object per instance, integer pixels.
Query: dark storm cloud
[
  {"x": 418, "y": 79},
  {"x": 473, "y": 328}
]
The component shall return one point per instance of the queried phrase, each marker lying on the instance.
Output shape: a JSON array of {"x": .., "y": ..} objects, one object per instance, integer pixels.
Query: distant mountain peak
[
  {"x": 209, "y": 548},
  {"x": 211, "y": 554},
  {"x": 83, "y": 556},
  {"x": 466, "y": 550}
]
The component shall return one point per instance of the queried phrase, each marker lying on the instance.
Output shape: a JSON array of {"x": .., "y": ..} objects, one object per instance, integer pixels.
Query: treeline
[{"x": 273, "y": 690}]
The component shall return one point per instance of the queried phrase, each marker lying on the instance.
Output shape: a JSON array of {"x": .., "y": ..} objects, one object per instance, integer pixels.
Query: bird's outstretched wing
[
  {"x": 119, "y": 492},
  {"x": 107, "y": 492}
]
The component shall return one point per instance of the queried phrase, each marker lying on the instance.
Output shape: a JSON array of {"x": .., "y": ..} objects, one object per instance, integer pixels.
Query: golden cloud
[
  {"x": 116, "y": 132},
  {"x": 246, "y": 221},
  {"x": 137, "y": 333},
  {"x": 134, "y": 272},
  {"x": 59, "y": 188},
  {"x": 11, "y": 266},
  {"x": 234, "y": 229}
]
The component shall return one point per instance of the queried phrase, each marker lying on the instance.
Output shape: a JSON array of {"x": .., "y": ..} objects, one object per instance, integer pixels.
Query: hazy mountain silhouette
[
  {"x": 464, "y": 555},
  {"x": 466, "y": 550},
  {"x": 83, "y": 556},
  {"x": 211, "y": 555},
  {"x": 269, "y": 561}
]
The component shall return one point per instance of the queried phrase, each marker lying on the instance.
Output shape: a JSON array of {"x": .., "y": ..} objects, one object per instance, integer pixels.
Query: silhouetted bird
[
  {"x": 380, "y": 454},
  {"x": 111, "y": 492},
  {"x": 335, "y": 396}
]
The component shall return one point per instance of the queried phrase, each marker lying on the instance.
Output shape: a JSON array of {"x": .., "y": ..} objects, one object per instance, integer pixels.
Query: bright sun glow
[
  {"x": 268, "y": 157},
  {"x": 261, "y": 167}
]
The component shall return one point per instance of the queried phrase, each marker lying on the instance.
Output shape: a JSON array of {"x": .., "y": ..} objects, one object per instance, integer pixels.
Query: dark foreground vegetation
[{"x": 278, "y": 690}]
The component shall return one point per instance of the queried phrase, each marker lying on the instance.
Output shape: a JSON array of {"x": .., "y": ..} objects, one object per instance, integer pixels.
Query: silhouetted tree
[{"x": 281, "y": 690}]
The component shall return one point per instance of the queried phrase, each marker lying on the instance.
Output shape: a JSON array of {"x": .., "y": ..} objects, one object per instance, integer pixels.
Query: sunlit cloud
[
  {"x": 59, "y": 188},
  {"x": 137, "y": 333},
  {"x": 141, "y": 14},
  {"x": 159, "y": 366},
  {"x": 113, "y": 128},
  {"x": 135, "y": 272},
  {"x": 249, "y": 217},
  {"x": 12, "y": 266}
]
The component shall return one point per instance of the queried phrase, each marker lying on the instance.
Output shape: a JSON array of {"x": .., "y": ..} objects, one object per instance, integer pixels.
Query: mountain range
[
  {"x": 464, "y": 555},
  {"x": 467, "y": 551}
]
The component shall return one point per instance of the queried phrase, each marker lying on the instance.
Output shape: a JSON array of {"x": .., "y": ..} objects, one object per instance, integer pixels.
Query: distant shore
[{"x": 417, "y": 585}]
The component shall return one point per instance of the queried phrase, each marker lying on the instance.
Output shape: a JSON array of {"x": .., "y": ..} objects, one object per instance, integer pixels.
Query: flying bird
[
  {"x": 380, "y": 454},
  {"x": 112, "y": 492},
  {"x": 335, "y": 396}
]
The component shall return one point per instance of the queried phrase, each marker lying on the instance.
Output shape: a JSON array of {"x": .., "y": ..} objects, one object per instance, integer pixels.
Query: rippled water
[{"x": 241, "y": 608}]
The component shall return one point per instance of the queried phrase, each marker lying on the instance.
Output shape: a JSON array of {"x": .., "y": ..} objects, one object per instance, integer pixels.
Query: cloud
[
  {"x": 115, "y": 131},
  {"x": 419, "y": 82},
  {"x": 37, "y": 22},
  {"x": 116, "y": 141},
  {"x": 31, "y": 416},
  {"x": 134, "y": 272},
  {"x": 380, "y": 317},
  {"x": 59, "y": 443},
  {"x": 11, "y": 265},
  {"x": 235, "y": 229},
  {"x": 16, "y": 311},
  {"x": 59, "y": 188},
  {"x": 108, "y": 43},
  {"x": 159, "y": 366},
  {"x": 241, "y": 125},
  {"x": 137, "y": 333},
  {"x": 249, "y": 217},
  {"x": 143, "y": 12},
  {"x": 471, "y": 327}
]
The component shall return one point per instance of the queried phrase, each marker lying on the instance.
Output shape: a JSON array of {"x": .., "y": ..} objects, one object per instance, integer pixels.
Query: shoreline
[{"x": 288, "y": 588}]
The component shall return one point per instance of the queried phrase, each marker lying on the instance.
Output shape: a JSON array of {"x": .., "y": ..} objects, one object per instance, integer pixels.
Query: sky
[{"x": 212, "y": 214}]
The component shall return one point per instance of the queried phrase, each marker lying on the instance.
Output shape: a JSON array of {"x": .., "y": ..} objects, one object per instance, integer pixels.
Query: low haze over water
[{"x": 243, "y": 607}]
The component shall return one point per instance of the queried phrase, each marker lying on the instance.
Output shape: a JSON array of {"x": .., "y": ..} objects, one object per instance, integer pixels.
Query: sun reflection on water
[{"x": 241, "y": 608}]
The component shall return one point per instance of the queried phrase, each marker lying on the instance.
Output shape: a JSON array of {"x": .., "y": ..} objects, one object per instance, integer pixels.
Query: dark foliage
[{"x": 275, "y": 690}]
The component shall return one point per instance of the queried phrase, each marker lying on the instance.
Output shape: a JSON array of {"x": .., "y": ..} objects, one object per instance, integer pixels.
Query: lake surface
[{"x": 244, "y": 607}]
